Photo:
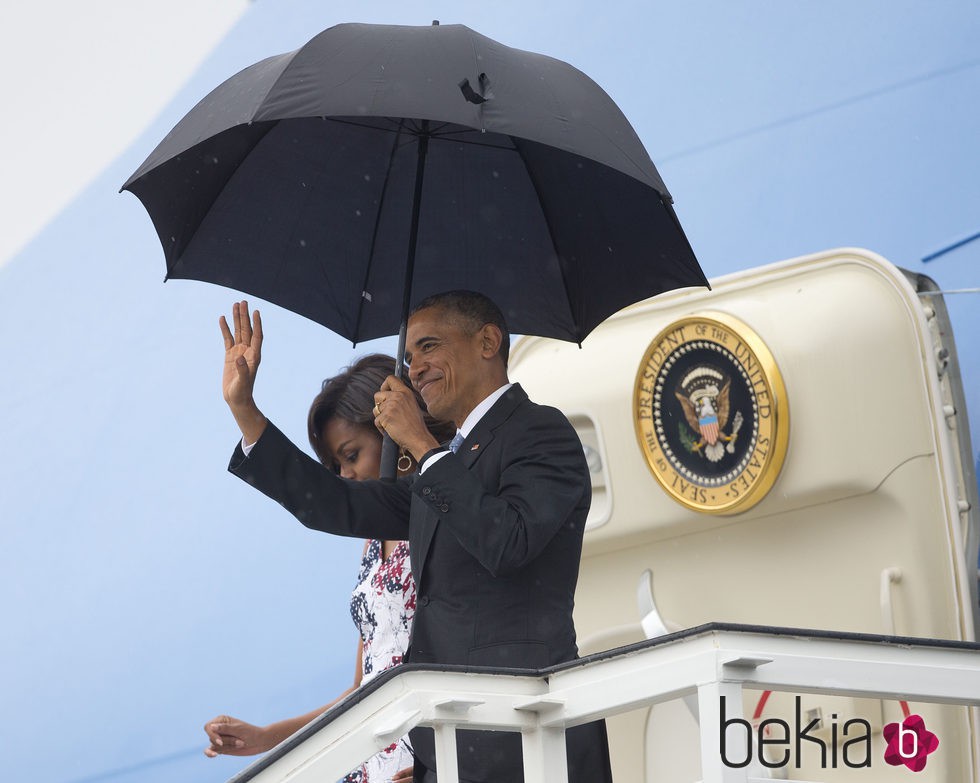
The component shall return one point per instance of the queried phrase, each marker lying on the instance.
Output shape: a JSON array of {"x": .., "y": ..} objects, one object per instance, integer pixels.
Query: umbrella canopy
[{"x": 310, "y": 179}]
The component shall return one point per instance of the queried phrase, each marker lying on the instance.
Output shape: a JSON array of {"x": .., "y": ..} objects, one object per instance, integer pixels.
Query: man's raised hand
[{"x": 243, "y": 352}]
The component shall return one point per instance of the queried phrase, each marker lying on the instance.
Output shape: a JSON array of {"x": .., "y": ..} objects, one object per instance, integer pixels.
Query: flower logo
[{"x": 909, "y": 742}]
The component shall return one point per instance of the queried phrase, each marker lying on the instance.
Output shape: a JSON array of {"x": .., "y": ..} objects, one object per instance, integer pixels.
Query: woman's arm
[{"x": 232, "y": 737}]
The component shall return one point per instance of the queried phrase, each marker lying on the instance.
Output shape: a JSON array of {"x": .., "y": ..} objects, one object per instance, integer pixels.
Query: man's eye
[{"x": 351, "y": 457}]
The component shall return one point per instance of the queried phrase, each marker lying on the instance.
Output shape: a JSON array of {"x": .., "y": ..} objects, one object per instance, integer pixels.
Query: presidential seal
[{"x": 711, "y": 414}]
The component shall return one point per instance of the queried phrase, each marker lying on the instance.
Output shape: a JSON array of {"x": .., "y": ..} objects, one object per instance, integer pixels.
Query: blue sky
[{"x": 145, "y": 590}]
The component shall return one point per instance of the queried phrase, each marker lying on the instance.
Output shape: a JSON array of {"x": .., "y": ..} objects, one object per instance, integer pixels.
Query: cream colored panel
[
  {"x": 848, "y": 342},
  {"x": 864, "y": 492}
]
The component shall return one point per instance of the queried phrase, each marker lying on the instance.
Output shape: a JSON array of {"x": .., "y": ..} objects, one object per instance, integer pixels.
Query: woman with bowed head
[{"x": 343, "y": 435}]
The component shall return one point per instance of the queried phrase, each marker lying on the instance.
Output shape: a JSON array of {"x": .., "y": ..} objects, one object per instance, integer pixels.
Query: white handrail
[{"x": 710, "y": 661}]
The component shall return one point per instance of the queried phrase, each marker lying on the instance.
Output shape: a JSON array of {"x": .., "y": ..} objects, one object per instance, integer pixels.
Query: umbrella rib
[
  {"x": 266, "y": 127},
  {"x": 434, "y": 134},
  {"x": 444, "y": 137},
  {"x": 561, "y": 266},
  {"x": 397, "y": 129},
  {"x": 461, "y": 129},
  {"x": 374, "y": 236},
  {"x": 437, "y": 129},
  {"x": 414, "y": 131}
]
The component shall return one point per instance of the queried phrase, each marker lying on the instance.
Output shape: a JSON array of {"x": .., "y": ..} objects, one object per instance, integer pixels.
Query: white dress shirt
[{"x": 469, "y": 423}]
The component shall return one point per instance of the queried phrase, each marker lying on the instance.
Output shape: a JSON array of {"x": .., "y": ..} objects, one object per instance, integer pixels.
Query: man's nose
[
  {"x": 414, "y": 371},
  {"x": 347, "y": 472}
]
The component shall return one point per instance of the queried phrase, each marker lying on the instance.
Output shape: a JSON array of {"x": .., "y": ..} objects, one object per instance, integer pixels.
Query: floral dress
[{"x": 382, "y": 606}]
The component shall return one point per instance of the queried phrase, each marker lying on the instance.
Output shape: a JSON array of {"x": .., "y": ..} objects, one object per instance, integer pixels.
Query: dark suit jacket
[{"x": 495, "y": 535}]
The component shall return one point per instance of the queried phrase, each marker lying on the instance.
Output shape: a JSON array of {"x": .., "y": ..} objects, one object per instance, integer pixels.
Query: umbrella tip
[{"x": 435, "y": 22}]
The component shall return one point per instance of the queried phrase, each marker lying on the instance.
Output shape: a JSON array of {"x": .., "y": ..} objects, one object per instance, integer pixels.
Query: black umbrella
[{"x": 379, "y": 164}]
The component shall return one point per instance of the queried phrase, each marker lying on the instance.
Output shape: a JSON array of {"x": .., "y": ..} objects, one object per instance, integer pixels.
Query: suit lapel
[
  {"x": 424, "y": 521},
  {"x": 482, "y": 434}
]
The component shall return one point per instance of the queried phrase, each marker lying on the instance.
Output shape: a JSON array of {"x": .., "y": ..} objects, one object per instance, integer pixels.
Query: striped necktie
[{"x": 456, "y": 442}]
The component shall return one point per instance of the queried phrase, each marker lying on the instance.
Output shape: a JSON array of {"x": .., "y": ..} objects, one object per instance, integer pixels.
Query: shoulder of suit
[{"x": 528, "y": 410}]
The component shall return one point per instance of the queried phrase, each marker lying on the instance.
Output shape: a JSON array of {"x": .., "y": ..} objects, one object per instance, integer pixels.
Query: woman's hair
[{"x": 349, "y": 395}]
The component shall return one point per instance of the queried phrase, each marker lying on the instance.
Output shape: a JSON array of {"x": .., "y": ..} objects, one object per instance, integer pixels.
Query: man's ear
[{"x": 490, "y": 340}]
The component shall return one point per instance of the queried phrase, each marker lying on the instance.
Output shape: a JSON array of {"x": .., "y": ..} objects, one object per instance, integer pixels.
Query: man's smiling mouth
[{"x": 425, "y": 385}]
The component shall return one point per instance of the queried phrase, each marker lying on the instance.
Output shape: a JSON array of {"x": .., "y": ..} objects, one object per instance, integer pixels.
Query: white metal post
[
  {"x": 446, "y": 762},
  {"x": 544, "y": 754}
]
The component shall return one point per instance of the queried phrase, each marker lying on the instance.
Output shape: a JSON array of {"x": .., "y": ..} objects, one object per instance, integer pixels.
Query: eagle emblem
[
  {"x": 704, "y": 395},
  {"x": 710, "y": 412}
]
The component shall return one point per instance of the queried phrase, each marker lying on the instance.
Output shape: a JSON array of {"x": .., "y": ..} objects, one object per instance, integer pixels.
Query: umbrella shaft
[
  {"x": 389, "y": 449},
  {"x": 413, "y": 239}
]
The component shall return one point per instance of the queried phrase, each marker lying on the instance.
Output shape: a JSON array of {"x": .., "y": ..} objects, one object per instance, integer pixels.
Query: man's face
[{"x": 445, "y": 364}]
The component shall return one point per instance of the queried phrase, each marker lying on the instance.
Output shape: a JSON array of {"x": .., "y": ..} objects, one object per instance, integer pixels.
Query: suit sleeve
[
  {"x": 543, "y": 485},
  {"x": 319, "y": 498}
]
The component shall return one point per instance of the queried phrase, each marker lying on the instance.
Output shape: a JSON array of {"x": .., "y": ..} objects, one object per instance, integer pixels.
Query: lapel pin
[{"x": 474, "y": 447}]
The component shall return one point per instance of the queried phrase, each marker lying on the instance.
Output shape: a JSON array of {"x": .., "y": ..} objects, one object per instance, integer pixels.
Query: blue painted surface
[{"x": 144, "y": 590}]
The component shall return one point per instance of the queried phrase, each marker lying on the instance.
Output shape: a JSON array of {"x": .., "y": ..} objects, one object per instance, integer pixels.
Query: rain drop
[
  {"x": 302, "y": 243},
  {"x": 367, "y": 177},
  {"x": 357, "y": 212},
  {"x": 214, "y": 159},
  {"x": 496, "y": 175}
]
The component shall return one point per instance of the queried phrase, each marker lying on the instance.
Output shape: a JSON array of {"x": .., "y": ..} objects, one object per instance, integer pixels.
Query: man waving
[{"x": 494, "y": 520}]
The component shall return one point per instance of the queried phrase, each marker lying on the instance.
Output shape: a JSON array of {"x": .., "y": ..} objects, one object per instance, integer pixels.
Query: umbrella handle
[
  {"x": 389, "y": 449},
  {"x": 389, "y": 458}
]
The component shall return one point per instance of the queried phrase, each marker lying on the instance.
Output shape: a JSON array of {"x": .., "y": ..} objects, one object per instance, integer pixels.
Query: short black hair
[{"x": 473, "y": 311}]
